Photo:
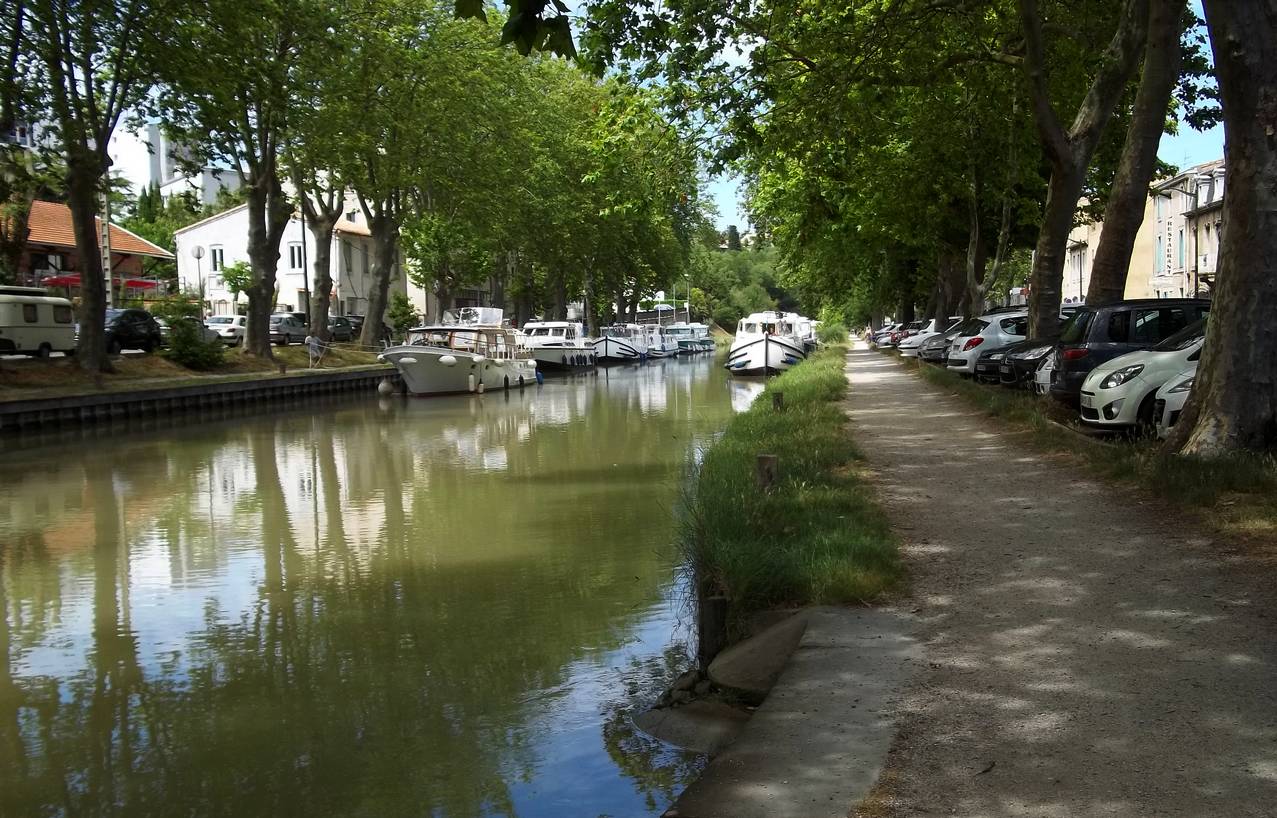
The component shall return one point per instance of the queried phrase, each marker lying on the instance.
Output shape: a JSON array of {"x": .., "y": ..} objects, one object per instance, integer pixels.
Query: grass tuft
[{"x": 817, "y": 537}]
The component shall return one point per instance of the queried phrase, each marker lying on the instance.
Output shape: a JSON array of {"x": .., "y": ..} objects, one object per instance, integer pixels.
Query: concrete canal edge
[
  {"x": 817, "y": 744},
  {"x": 129, "y": 404}
]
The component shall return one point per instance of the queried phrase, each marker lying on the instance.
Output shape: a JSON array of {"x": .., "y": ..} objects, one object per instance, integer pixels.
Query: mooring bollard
[
  {"x": 711, "y": 629},
  {"x": 778, "y": 401},
  {"x": 765, "y": 471},
  {"x": 283, "y": 368}
]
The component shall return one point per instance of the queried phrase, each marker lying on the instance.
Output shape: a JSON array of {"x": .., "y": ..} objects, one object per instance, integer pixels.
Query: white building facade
[
  {"x": 222, "y": 240},
  {"x": 1190, "y": 208}
]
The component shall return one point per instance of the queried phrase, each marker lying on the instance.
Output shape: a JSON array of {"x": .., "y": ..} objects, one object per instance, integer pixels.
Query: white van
[{"x": 33, "y": 323}]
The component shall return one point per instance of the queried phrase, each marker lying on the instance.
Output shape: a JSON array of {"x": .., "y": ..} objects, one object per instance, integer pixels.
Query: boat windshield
[
  {"x": 538, "y": 331},
  {"x": 616, "y": 332},
  {"x": 679, "y": 331}
]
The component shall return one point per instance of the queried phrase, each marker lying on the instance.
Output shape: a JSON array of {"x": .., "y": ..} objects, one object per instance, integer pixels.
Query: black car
[
  {"x": 935, "y": 350},
  {"x": 1020, "y": 361},
  {"x": 132, "y": 329},
  {"x": 339, "y": 329},
  {"x": 1098, "y": 334},
  {"x": 988, "y": 364}
]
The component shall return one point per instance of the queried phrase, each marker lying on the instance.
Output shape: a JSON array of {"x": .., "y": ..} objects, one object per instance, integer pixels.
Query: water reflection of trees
[{"x": 382, "y": 673}]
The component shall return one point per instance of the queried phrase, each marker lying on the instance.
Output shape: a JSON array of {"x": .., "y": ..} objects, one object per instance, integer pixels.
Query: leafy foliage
[{"x": 187, "y": 346}]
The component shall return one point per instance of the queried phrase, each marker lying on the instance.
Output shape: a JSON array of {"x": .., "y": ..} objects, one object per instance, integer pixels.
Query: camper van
[{"x": 34, "y": 323}]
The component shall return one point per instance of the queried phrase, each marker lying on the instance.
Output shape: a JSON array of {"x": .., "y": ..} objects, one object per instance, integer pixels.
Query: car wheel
[
  {"x": 1145, "y": 423},
  {"x": 113, "y": 347},
  {"x": 44, "y": 351}
]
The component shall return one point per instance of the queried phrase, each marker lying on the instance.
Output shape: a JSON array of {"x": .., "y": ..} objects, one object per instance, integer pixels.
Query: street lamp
[{"x": 198, "y": 253}]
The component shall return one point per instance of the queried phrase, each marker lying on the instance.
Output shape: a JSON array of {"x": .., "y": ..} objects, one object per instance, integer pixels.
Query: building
[
  {"x": 148, "y": 157},
  {"x": 50, "y": 258},
  {"x": 1189, "y": 210},
  {"x": 206, "y": 248},
  {"x": 1084, "y": 241}
]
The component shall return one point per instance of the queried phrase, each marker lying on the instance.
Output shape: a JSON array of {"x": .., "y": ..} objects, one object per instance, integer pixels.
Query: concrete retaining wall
[{"x": 72, "y": 410}]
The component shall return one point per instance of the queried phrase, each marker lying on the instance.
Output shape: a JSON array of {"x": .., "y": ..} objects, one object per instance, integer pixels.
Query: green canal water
[{"x": 444, "y": 607}]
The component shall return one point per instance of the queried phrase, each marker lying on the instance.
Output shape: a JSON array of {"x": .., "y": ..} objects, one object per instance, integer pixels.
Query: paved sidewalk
[{"x": 1083, "y": 657}]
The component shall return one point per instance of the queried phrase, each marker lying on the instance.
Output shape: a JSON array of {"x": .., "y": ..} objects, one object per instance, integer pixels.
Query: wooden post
[
  {"x": 778, "y": 401},
  {"x": 765, "y": 471},
  {"x": 711, "y": 628}
]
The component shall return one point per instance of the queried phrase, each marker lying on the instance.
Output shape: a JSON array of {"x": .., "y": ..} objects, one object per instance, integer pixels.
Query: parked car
[
  {"x": 988, "y": 365},
  {"x": 206, "y": 334},
  {"x": 881, "y": 335},
  {"x": 1020, "y": 361},
  {"x": 286, "y": 329},
  {"x": 936, "y": 326},
  {"x": 990, "y": 331},
  {"x": 356, "y": 323},
  {"x": 130, "y": 329},
  {"x": 1095, "y": 335},
  {"x": 230, "y": 328},
  {"x": 909, "y": 329},
  {"x": 35, "y": 323},
  {"x": 340, "y": 329},
  {"x": 1170, "y": 399},
  {"x": 1121, "y": 391},
  {"x": 935, "y": 350}
]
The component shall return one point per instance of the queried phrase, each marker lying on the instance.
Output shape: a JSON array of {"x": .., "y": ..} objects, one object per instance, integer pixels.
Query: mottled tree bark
[
  {"x": 82, "y": 199},
  {"x": 1125, "y": 210},
  {"x": 268, "y": 214},
  {"x": 1233, "y": 406},
  {"x": 322, "y": 210},
  {"x": 1070, "y": 151},
  {"x": 385, "y": 253}
]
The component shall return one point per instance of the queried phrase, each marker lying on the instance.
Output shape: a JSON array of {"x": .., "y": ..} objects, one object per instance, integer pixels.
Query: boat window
[
  {"x": 499, "y": 345},
  {"x": 558, "y": 332},
  {"x": 571, "y": 332},
  {"x": 751, "y": 327}
]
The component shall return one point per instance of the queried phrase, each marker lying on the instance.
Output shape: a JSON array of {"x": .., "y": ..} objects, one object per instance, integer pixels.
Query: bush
[
  {"x": 173, "y": 307},
  {"x": 831, "y": 334},
  {"x": 817, "y": 537},
  {"x": 187, "y": 347}
]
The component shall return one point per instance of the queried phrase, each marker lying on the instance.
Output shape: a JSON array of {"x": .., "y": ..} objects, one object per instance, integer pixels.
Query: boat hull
[
  {"x": 693, "y": 346},
  {"x": 616, "y": 351},
  {"x": 667, "y": 350},
  {"x": 761, "y": 356},
  {"x": 434, "y": 371},
  {"x": 563, "y": 359}
]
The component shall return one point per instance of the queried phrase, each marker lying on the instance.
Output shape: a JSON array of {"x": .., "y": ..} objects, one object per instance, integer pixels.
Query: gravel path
[{"x": 1084, "y": 655}]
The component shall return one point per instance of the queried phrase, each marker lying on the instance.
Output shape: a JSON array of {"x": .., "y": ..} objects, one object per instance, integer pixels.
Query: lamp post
[
  {"x": 688, "y": 306},
  {"x": 197, "y": 252}
]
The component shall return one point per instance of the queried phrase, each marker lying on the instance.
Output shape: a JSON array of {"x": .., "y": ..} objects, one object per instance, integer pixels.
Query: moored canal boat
[
  {"x": 620, "y": 343},
  {"x": 558, "y": 345},
  {"x": 765, "y": 342},
  {"x": 692, "y": 338},
  {"x": 471, "y": 351},
  {"x": 659, "y": 343}
]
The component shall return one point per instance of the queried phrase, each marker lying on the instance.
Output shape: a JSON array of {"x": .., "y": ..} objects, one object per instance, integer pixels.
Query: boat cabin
[
  {"x": 622, "y": 331},
  {"x": 497, "y": 343},
  {"x": 541, "y": 331}
]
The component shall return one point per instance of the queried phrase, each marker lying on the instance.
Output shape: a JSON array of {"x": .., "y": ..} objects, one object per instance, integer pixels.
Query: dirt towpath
[{"x": 1084, "y": 654}]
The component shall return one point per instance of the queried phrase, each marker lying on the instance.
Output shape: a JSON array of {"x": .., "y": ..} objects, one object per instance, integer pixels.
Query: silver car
[{"x": 986, "y": 332}]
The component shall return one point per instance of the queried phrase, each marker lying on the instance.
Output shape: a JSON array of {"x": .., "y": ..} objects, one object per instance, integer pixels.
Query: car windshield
[
  {"x": 221, "y": 319},
  {"x": 1185, "y": 338},
  {"x": 275, "y": 319},
  {"x": 973, "y": 327},
  {"x": 111, "y": 315},
  {"x": 1074, "y": 330}
]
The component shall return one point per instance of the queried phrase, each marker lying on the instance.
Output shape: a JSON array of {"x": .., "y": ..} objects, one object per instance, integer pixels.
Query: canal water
[{"x": 444, "y": 607}]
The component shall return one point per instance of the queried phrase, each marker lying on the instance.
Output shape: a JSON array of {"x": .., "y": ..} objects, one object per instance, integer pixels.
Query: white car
[
  {"x": 909, "y": 346},
  {"x": 1121, "y": 392},
  {"x": 990, "y": 331},
  {"x": 1171, "y": 398},
  {"x": 230, "y": 328}
]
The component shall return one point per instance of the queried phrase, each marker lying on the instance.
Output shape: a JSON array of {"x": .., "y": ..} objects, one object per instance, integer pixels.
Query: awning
[{"x": 73, "y": 280}]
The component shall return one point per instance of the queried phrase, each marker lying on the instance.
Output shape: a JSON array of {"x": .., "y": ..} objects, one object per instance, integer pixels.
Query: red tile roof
[{"x": 50, "y": 224}]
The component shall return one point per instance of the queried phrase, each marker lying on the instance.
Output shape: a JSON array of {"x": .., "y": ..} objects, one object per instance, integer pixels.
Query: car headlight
[
  {"x": 1034, "y": 354},
  {"x": 997, "y": 356},
  {"x": 1121, "y": 376},
  {"x": 1184, "y": 385}
]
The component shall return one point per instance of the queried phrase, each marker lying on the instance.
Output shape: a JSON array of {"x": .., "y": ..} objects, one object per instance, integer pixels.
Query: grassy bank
[
  {"x": 1236, "y": 495},
  {"x": 816, "y": 537}
]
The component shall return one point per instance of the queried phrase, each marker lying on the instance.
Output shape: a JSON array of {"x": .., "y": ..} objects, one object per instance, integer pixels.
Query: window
[
  {"x": 1016, "y": 326},
  {"x": 1179, "y": 249},
  {"x": 29, "y": 313},
  {"x": 347, "y": 255},
  {"x": 62, "y": 315},
  {"x": 352, "y": 216},
  {"x": 1119, "y": 326},
  {"x": 1157, "y": 254},
  {"x": 295, "y": 256},
  {"x": 217, "y": 259},
  {"x": 1153, "y": 325}
]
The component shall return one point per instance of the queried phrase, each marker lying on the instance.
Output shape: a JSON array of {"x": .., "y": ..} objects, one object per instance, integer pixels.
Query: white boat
[
  {"x": 620, "y": 343},
  {"x": 804, "y": 329},
  {"x": 692, "y": 338},
  {"x": 660, "y": 344},
  {"x": 470, "y": 351},
  {"x": 765, "y": 342},
  {"x": 558, "y": 345}
]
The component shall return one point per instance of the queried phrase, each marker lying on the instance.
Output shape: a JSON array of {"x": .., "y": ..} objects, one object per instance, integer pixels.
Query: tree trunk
[
  {"x": 82, "y": 199},
  {"x": 385, "y": 252},
  {"x": 268, "y": 215},
  {"x": 1125, "y": 210},
  {"x": 321, "y": 297},
  {"x": 622, "y": 306},
  {"x": 560, "y": 299},
  {"x": 443, "y": 289},
  {"x": 1047, "y": 276},
  {"x": 591, "y": 309},
  {"x": 1233, "y": 406},
  {"x": 907, "y": 309}
]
